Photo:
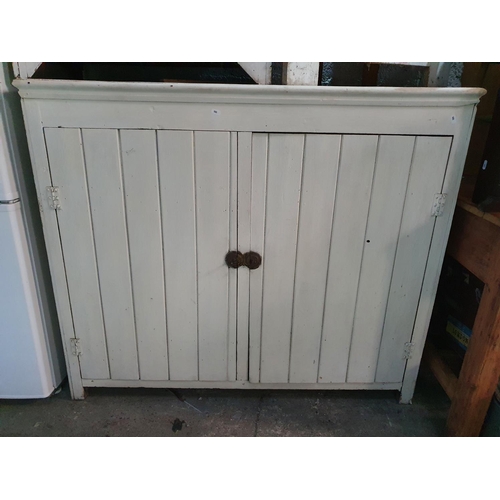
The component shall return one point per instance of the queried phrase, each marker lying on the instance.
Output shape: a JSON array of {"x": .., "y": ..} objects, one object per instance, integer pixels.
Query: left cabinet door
[{"x": 146, "y": 220}]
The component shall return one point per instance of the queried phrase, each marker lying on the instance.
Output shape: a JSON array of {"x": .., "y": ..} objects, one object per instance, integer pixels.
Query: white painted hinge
[
  {"x": 439, "y": 202},
  {"x": 53, "y": 196},
  {"x": 75, "y": 347},
  {"x": 409, "y": 346}
]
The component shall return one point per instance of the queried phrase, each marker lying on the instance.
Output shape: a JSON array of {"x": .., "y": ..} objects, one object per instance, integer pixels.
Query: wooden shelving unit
[{"x": 475, "y": 243}]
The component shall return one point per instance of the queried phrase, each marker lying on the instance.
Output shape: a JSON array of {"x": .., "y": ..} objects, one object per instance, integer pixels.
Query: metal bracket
[
  {"x": 53, "y": 196},
  {"x": 409, "y": 346},
  {"x": 75, "y": 347},
  {"x": 438, "y": 207}
]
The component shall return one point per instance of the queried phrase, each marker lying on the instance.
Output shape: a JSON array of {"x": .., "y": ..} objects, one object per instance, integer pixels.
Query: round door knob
[
  {"x": 252, "y": 260},
  {"x": 234, "y": 259}
]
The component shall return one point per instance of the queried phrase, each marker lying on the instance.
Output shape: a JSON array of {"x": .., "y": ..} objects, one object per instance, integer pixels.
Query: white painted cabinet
[{"x": 144, "y": 189}]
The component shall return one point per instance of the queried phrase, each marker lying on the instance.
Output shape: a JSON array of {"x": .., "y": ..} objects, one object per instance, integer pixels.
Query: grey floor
[{"x": 159, "y": 412}]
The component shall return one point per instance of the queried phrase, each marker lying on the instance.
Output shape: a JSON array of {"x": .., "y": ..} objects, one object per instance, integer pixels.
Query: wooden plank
[
  {"x": 474, "y": 242},
  {"x": 140, "y": 179},
  {"x": 302, "y": 73},
  {"x": 440, "y": 370},
  {"x": 259, "y": 157},
  {"x": 232, "y": 355},
  {"x": 357, "y": 161},
  {"x": 384, "y": 218},
  {"x": 177, "y": 195},
  {"x": 237, "y": 384},
  {"x": 319, "y": 180},
  {"x": 67, "y": 169},
  {"x": 213, "y": 173},
  {"x": 104, "y": 176},
  {"x": 244, "y": 245},
  {"x": 428, "y": 167},
  {"x": 480, "y": 371},
  {"x": 284, "y": 173}
]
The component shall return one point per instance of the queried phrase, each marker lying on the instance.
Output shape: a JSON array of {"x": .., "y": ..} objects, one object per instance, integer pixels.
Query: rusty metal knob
[
  {"x": 252, "y": 260},
  {"x": 235, "y": 259}
]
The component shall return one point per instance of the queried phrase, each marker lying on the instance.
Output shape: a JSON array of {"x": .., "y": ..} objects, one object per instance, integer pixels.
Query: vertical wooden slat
[
  {"x": 140, "y": 176},
  {"x": 212, "y": 165},
  {"x": 282, "y": 207},
  {"x": 102, "y": 158},
  {"x": 357, "y": 160},
  {"x": 244, "y": 245},
  {"x": 258, "y": 181},
  {"x": 319, "y": 178},
  {"x": 177, "y": 194},
  {"x": 68, "y": 173},
  {"x": 233, "y": 276},
  {"x": 384, "y": 219},
  {"x": 426, "y": 177}
]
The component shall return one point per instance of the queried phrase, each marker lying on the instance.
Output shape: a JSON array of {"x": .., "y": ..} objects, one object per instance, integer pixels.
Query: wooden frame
[
  {"x": 69, "y": 104},
  {"x": 475, "y": 243}
]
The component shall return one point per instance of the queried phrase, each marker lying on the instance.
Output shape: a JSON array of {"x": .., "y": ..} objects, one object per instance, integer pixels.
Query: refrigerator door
[{"x": 25, "y": 369}]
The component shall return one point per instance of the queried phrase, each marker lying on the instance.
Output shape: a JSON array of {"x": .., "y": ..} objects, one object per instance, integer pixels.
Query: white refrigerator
[{"x": 31, "y": 357}]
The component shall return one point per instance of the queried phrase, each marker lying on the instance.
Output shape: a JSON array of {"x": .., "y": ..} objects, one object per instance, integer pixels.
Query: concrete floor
[{"x": 158, "y": 412}]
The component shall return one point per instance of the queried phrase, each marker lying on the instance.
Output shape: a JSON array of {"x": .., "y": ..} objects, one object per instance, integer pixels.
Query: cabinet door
[
  {"x": 145, "y": 222},
  {"x": 343, "y": 224}
]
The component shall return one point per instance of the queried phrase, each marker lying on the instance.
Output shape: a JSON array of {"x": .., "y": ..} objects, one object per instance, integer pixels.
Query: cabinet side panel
[
  {"x": 213, "y": 180},
  {"x": 176, "y": 172},
  {"x": 107, "y": 203},
  {"x": 282, "y": 209},
  {"x": 140, "y": 178},
  {"x": 357, "y": 160},
  {"x": 319, "y": 179},
  {"x": 67, "y": 169},
  {"x": 426, "y": 177},
  {"x": 384, "y": 220}
]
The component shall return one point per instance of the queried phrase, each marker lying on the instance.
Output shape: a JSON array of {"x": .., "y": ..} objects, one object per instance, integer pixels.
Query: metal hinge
[
  {"x": 53, "y": 196},
  {"x": 438, "y": 207},
  {"x": 409, "y": 346},
  {"x": 75, "y": 347}
]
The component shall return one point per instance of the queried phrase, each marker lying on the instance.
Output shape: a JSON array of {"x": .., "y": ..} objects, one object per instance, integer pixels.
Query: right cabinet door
[{"x": 343, "y": 224}]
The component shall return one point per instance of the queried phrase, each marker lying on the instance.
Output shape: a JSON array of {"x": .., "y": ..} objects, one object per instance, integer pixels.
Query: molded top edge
[{"x": 273, "y": 94}]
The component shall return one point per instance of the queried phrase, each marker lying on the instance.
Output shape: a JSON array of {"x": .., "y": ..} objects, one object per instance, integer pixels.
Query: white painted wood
[
  {"x": 259, "y": 71},
  {"x": 239, "y": 384},
  {"x": 319, "y": 179},
  {"x": 384, "y": 219},
  {"x": 140, "y": 179},
  {"x": 258, "y": 179},
  {"x": 39, "y": 161},
  {"x": 232, "y": 356},
  {"x": 195, "y": 93},
  {"x": 426, "y": 178},
  {"x": 284, "y": 172},
  {"x": 357, "y": 160},
  {"x": 104, "y": 176},
  {"x": 436, "y": 254},
  {"x": 307, "y": 115},
  {"x": 244, "y": 245},
  {"x": 67, "y": 168},
  {"x": 439, "y": 74},
  {"x": 25, "y": 70},
  {"x": 201, "y": 178},
  {"x": 177, "y": 194},
  {"x": 302, "y": 73},
  {"x": 213, "y": 174}
]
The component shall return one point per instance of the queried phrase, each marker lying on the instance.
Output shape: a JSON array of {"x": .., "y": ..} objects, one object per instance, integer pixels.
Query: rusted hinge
[
  {"x": 75, "y": 347},
  {"x": 53, "y": 196},
  {"x": 438, "y": 206},
  {"x": 409, "y": 346}
]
